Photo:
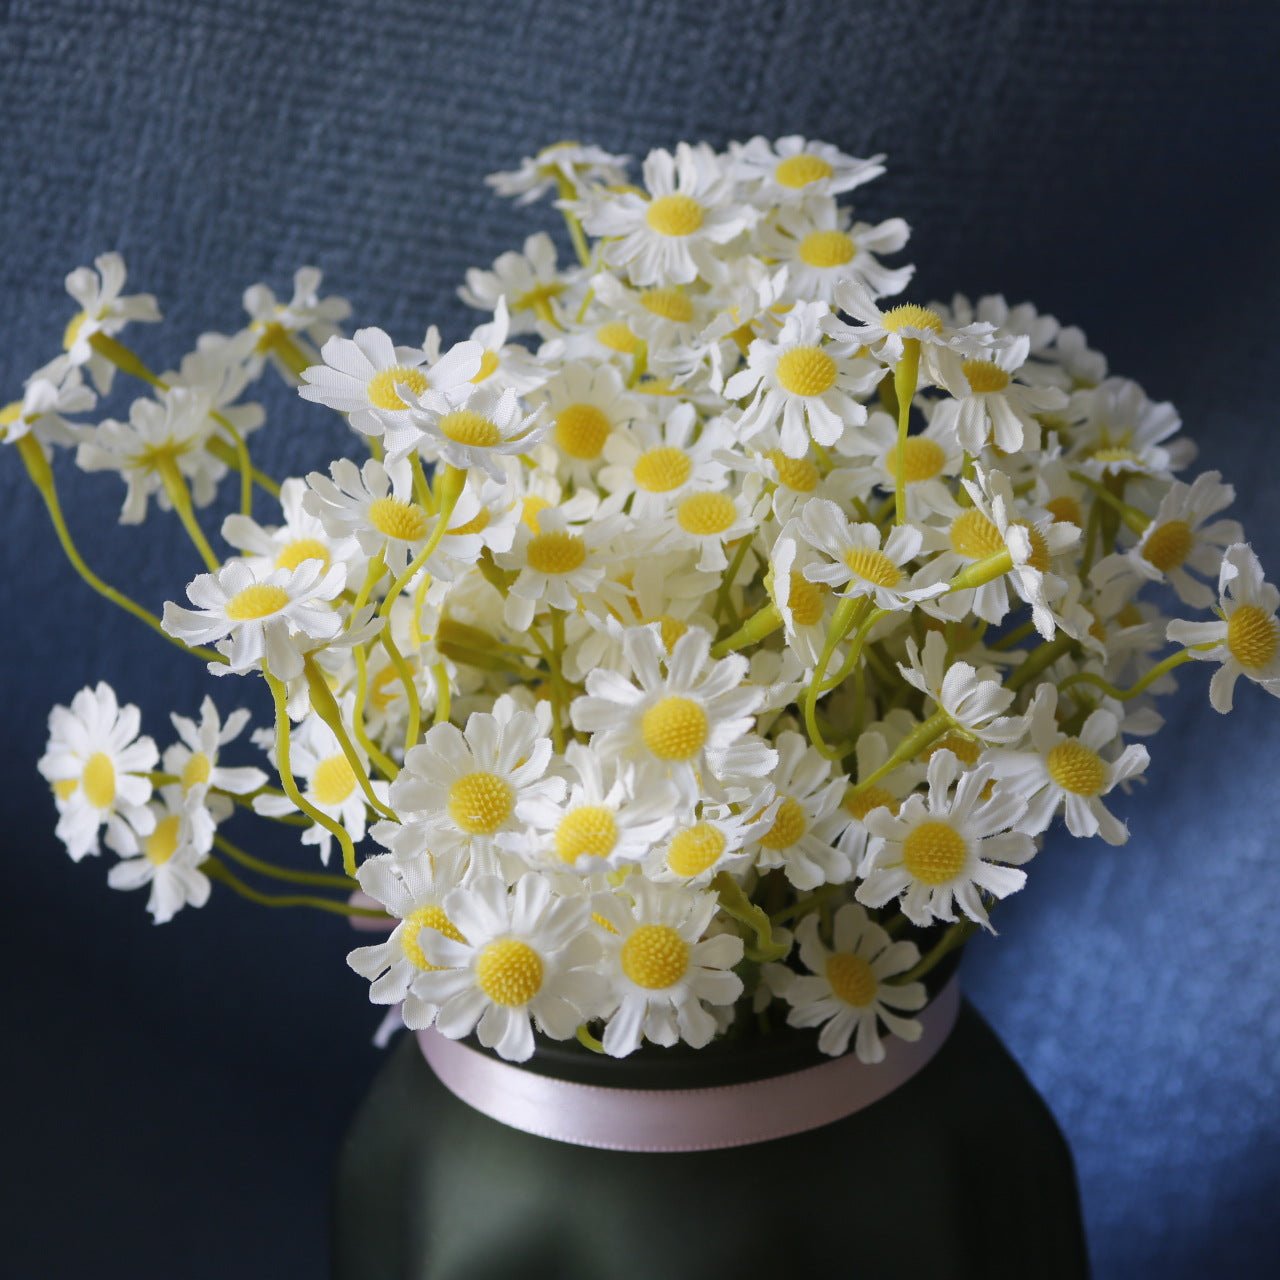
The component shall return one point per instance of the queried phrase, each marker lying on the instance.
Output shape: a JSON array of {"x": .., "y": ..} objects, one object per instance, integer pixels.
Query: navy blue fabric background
[{"x": 173, "y": 1096}]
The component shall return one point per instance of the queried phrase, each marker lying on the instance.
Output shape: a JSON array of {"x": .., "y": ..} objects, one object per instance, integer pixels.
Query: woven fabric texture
[{"x": 175, "y": 1095}]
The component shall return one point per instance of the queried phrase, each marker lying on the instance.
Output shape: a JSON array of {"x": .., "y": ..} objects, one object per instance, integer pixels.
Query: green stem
[
  {"x": 1037, "y": 660},
  {"x": 754, "y": 629},
  {"x": 218, "y": 871},
  {"x": 956, "y": 935},
  {"x": 316, "y": 879},
  {"x": 922, "y": 736},
  {"x": 175, "y": 486},
  {"x": 905, "y": 376},
  {"x": 736, "y": 904},
  {"x": 1123, "y": 695}
]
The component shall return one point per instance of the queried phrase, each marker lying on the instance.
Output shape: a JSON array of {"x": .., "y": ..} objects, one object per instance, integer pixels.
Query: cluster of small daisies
[{"x": 708, "y": 638}]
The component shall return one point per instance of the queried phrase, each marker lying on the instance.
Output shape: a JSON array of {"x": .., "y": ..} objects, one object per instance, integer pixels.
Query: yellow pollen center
[
  {"x": 806, "y": 371},
  {"x": 655, "y": 957},
  {"x": 466, "y": 427},
  {"x": 530, "y": 509},
  {"x": 860, "y": 803},
  {"x": 966, "y": 750},
  {"x": 694, "y": 849},
  {"x": 934, "y": 853},
  {"x": 382, "y": 386},
  {"x": 479, "y": 803},
  {"x": 581, "y": 430},
  {"x": 674, "y": 215},
  {"x": 333, "y": 780},
  {"x": 162, "y": 843},
  {"x": 670, "y": 628},
  {"x": 1169, "y": 545},
  {"x": 385, "y": 687},
  {"x": 1065, "y": 510},
  {"x": 476, "y": 524},
  {"x": 195, "y": 771},
  {"x": 556, "y": 552},
  {"x": 705, "y": 514},
  {"x": 425, "y": 918},
  {"x": 668, "y": 303},
  {"x": 1252, "y": 636},
  {"x": 1039, "y": 558},
  {"x": 509, "y": 972},
  {"x": 800, "y": 170},
  {"x": 539, "y": 297},
  {"x": 922, "y": 459},
  {"x": 301, "y": 549},
  {"x": 984, "y": 375},
  {"x": 851, "y": 979},
  {"x": 1129, "y": 616},
  {"x": 258, "y": 601},
  {"x": 617, "y": 337},
  {"x": 65, "y": 788},
  {"x": 911, "y": 316},
  {"x": 974, "y": 536},
  {"x": 403, "y": 520},
  {"x": 789, "y": 824},
  {"x": 674, "y": 728},
  {"x": 663, "y": 469},
  {"x": 1077, "y": 769},
  {"x": 99, "y": 780},
  {"x": 72, "y": 331},
  {"x": 872, "y": 566},
  {"x": 589, "y": 829},
  {"x": 824, "y": 249},
  {"x": 806, "y": 600},
  {"x": 797, "y": 474},
  {"x": 488, "y": 364}
]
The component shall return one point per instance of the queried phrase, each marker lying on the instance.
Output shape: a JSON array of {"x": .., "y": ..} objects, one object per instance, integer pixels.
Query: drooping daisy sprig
[{"x": 706, "y": 640}]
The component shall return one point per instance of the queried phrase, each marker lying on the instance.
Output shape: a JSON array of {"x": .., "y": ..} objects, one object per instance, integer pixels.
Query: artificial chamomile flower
[{"x": 167, "y": 858}]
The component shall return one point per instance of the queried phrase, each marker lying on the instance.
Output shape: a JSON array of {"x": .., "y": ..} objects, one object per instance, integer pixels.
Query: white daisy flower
[
  {"x": 97, "y": 765},
  {"x": 1121, "y": 432},
  {"x": 306, "y": 314},
  {"x": 801, "y": 384},
  {"x": 528, "y": 961},
  {"x": 708, "y": 520},
  {"x": 41, "y": 409},
  {"x": 168, "y": 858},
  {"x": 586, "y": 404},
  {"x": 715, "y": 838},
  {"x": 684, "y": 713},
  {"x": 939, "y": 851},
  {"x": 571, "y": 163},
  {"x": 1068, "y": 774},
  {"x": 796, "y": 168},
  {"x": 805, "y": 606},
  {"x": 412, "y": 892},
  {"x": 530, "y": 283},
  {"x": 666, "y": 318},
  {"x": 360, "y": 375},
  {"x": 848, "y": 989},
  {"x": 272, "y": 619},
  {"x": 504, "y": 364},
  {"x": 670, "y": 236},
  {"x": 193, "y": 760},
  {"x": 929, "y": 458},
  {"x": 974, "y": 699},
  {"x": 481, "y": 430},
  {"x": 871, "y": 751},
  {"x": 663, "y": 968},
  {"x": 1247, "y": 639}
]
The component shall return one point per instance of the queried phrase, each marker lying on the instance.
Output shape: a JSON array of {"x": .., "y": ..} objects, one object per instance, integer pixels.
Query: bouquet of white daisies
[{"x": 703, "y": 645}]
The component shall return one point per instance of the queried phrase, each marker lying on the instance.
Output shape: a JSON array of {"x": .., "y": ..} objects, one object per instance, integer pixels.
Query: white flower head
[
  {"x": 193, "y": 759},
  {"x": 168, "y": 858},
  {"x": 44, "y": 402},
  {"x": 974, "y": 700},
  {"x": 480, "y": 430},
  {"x": 530, "y": 282},
  {"x": 571, "y": 164},
  {"x": 796, "y": 168}
]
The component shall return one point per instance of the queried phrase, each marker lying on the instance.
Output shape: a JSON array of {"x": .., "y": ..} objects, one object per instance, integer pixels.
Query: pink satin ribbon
[{"x": 684, "y": 1119}]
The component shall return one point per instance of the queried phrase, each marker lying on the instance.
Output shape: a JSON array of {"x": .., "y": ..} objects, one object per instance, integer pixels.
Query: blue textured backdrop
[{"x": 174, "y": 1095}]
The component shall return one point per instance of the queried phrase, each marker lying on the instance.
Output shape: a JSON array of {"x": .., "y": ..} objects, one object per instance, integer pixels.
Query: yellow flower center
[
  {"x": 530, "y": 509},
  {"x": 1077, "y": 769},
  {"x": 1039, "y": 557},
  {"x": 824, "y": 249},
  {"x": 556, "y": 552},
  {"x": 922, "y": 459},
  {"x": 797, "y": 474},
  {"x": 382, "y": 386},
  {"x": 705, "y": 514},
  {"x": 806, "y": 371},
  {"x": 1169, "y": 545},
  {"x": 860, "y": 803},
  {"x": 617, "y": 337},
  {"x": 670, "y": 304},
  {"x": 386, "y": 687},
  {"x": 1065, "y": 510},
  {"x": 539, "y": 297},
  {"x": 477, "y": 523},
  {"x": 65, "y": 788},
  {"x": 663, "y": 469},
  {"x": 655, "y": 957},
  {"x": 674, "y": 728},
  {"x": 333, "y": 780},
  {"x": 800, "y": 170},
  {"x": 589, "y": 829},
  {"x": 425, "y": 918},
  {"x": 72, "y": 331},
  {"x": 974, "y": 536},
  {"x": 789, "y": 824},
  {"x": 162, "y": 843},
  {"x": 195, "y": 771},
  {"x": 674, "y": 215},
  {"x": 694, "y": 849},
  {"x": 872, "y": 566},
  {"x": 488, "y": 364},
  {"x": 670, "y": 628},
  {"x": 934, "y": 852},
  {"x": 911, "y": 316},
  {"x": 851, "y": 979},
  {"x": 1252, "y": 636},
  {"x": 966, "y": 750},
  {"x": 466, "y": 427},
  {"x": 509, "y": 972},
  {"x": 479, "y": 803},
  {"x": 403, "y": 520},
  {"x": 258, "y": 601},
  {"x": 300, "y": 549},
  {"x": 806, "y": 600},
  {"x": 984, "y": 375},
  {"x": 581, "y": 430},
  {"x": 99, "y": 780}
]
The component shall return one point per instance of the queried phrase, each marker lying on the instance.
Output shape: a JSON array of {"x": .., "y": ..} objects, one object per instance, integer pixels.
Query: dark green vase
[{"x": 960, "y": 1172}]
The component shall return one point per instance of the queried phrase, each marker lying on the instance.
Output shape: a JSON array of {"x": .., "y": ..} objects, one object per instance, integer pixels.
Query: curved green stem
[
  {"x": 175, "y": 486},
  {"x": 736, "y": 904},
  {"x": 1123, "y": 695},
  {"x": 922, "y": 736},
  {"x": 316, "y": 879},
  {"x": 955, "y": 936},
  {"x": 221, "y": 873}
]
